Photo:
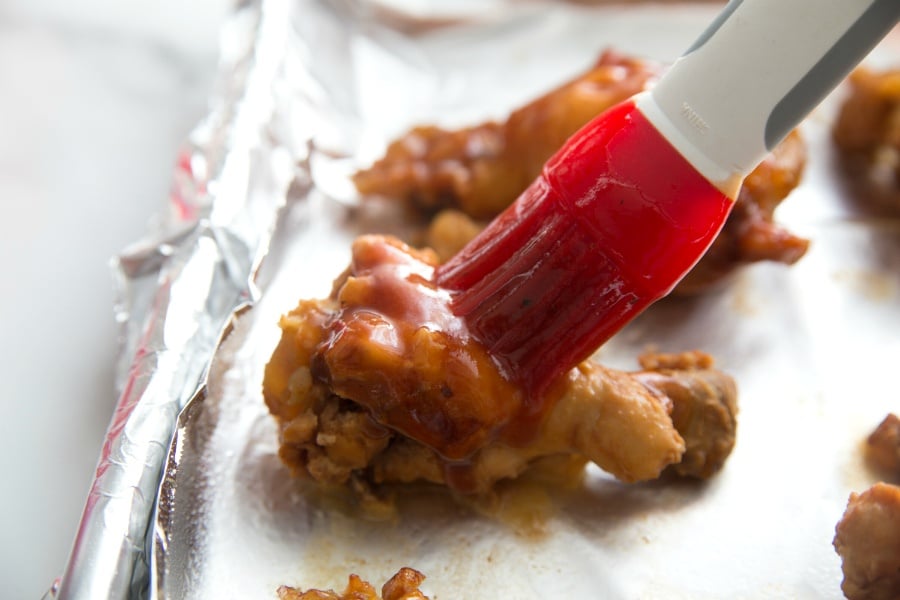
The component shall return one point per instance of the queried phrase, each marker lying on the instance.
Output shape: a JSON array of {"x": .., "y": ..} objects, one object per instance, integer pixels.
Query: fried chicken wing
[
  {"x": 704, "y": 408},
  {"x": 867, "y": 131},
  {"x": 482, "y": 169},
  {"x": 883, "y": 447},
  {"x": 867, "y": 538},
  {"x": 750, "y": 234},
  {"x": 381, "y": 383},
  {"x": 404, "y": 585}
]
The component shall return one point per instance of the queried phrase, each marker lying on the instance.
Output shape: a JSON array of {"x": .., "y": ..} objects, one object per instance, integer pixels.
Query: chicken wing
[
  {"x": 867, "y": 131},
  {"x": 482, "y": 169},
  {"x": 867, "y": 538},
  {"x": 404, "y": 585},
  {"x": 381, "y": 382},
  {"x": 883, "y": 447},
  {"x": 704, "y": 409}
]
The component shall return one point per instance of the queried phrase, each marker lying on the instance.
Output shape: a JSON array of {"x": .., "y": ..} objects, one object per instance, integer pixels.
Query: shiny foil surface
[{"x": 190, "y": 499}]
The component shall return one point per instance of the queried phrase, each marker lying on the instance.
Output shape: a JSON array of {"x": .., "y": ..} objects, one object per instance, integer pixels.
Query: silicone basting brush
[{"x": 630, "y": 203}]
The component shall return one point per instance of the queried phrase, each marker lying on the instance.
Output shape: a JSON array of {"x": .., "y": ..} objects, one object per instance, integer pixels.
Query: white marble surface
[{"x": 95, "y": 98}]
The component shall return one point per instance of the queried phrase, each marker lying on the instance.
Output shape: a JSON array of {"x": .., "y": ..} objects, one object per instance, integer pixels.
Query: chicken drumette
[
  {"x": 480, "y": 170},
  {"x": 883, "y": 448},
  {"x": 868, "y": 540},
  {"x": 380, "y": 382},
  {"x": 867, "y": 132}
]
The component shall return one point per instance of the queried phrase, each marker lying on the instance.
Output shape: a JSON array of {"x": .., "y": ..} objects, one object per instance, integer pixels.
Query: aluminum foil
[
  {"x": 263, "y": 214},
  {"x": 177, "y": 290}
]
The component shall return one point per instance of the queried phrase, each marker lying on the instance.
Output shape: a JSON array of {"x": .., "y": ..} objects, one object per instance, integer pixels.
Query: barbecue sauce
[{"x": 395, "y": 347}]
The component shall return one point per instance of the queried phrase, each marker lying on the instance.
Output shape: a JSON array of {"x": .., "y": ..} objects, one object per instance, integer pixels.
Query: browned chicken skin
[
  {"x": 867, "y": 538},
  {"x": 883, "y": 448},
  {"x": 704, "y": 409},
  {"x": 404, "y": 585},
  {"x": 867, "y": 131},
  {"x": 482, "y": 169},
  {"x": 381, "y": 383}
]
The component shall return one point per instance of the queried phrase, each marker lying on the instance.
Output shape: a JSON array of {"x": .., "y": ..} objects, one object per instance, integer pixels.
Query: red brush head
[{"x": 616, "y": 219}]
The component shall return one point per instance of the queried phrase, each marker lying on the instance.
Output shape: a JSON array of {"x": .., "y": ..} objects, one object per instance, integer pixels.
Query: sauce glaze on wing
[
  {"x": 379, "y": 382},
  {"x": 397, "y": 349}
]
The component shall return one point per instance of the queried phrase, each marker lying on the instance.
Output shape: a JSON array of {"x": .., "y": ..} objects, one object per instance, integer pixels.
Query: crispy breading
[
  {"x": 867, "y": 132},
  {"x": 480, "y": 170},
  {"x": 867, "y": 538},
  {"x": 883, "y": 447},
  {"x": 377, "y": 383},
  {"x": 404, "y": 585}
]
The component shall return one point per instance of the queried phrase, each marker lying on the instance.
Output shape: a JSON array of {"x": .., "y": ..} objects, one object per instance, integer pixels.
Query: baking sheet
[{"x": 812, "y": 346}]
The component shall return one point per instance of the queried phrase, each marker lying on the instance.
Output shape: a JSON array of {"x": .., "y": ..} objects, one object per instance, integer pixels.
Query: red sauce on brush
[{"x": 591, "y": 243}]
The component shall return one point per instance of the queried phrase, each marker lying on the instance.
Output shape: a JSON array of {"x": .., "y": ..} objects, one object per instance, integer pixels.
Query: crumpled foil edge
[{"x": 178, "y": 290}]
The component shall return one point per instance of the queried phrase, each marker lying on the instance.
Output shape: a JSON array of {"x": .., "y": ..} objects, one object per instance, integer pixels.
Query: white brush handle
[{"x": 755, "y": 73}]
